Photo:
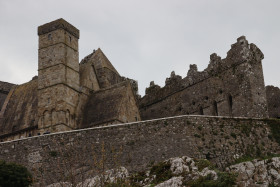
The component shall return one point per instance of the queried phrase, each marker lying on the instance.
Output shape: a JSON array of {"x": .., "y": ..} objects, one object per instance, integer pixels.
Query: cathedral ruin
[{"x": 68, "y": 95}]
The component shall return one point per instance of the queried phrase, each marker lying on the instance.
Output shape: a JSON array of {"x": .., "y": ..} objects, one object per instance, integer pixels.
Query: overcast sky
[{"x": 145, "y": 39}]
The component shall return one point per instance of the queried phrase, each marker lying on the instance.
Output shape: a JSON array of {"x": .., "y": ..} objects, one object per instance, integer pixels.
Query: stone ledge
[{"x": 58, "y": 24}]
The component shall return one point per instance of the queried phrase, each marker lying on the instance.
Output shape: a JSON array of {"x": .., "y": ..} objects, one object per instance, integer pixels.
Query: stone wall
[
  {"x": 233, "y": 86},
  {"x": 136, "y": 145},
  {"x": 116, "y": 104},
  {"x": 273, "y": 101},
  {"x": 5, "y": 88},
  {"x": 20, "y": 115},
  {"x": 58, "y": 76}
]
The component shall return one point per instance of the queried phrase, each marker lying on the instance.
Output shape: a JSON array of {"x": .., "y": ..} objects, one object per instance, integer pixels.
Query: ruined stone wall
[
  {"x": 97, "y": 72},
  {"x": 273, "y": 101},
  {"x": 233, "y": 86},
  {"x": 116, "y": 104},
  {"x": 5, "y": 88},
  {"x": 135, "y": 145},
  {"x": 20, "y": 115}
]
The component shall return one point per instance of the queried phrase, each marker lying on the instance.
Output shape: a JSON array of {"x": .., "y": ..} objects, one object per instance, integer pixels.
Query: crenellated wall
[
  {"x": 136, "y": 145},
  {"x": 233, "y": 86}
]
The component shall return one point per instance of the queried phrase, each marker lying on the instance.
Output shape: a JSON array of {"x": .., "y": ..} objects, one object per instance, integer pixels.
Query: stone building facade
[
  {"x": 65, "y": 90},
  {"x": 233, "y": 86},
  {"x": 68, "y": 95}
]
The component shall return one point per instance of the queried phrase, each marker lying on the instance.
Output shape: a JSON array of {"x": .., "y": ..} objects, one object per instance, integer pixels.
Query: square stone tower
[{"x": 58, "y": 76}]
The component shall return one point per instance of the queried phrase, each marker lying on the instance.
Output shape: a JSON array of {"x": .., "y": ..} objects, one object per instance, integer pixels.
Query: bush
[
  {"x": 162, "y": 172},
  {"x": 14, "y": 175},
  {"x": 202, "y": 163}
]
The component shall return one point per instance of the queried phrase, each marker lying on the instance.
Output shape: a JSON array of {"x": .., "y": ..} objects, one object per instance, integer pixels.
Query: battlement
[
  {"x": 58, "y": 24},
  {"x": 216, "y": 65},
  {"x": 239, "y": 68}
]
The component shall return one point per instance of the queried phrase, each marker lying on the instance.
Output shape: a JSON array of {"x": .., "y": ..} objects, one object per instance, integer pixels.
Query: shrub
[
  {"x": 274, "y": 125},
  {"x": 14, "y": 175},
  {"x": 202, "y": 163},
  {"x": 162, "y": 172}
]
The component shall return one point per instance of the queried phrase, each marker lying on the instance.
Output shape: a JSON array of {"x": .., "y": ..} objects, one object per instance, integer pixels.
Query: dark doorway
[
  {"x": 230, "y": 104},
  {"x": 215, "y": 108}
]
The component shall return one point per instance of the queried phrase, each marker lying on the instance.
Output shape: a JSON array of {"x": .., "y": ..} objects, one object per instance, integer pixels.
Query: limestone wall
[
  {"x": 233, "y": 86},
  {"x": 20, "y": 115},
  {"x": 273, "y": 101},
  {"x": 135, "y": 145},
  {"x": 5, "y": 88}
]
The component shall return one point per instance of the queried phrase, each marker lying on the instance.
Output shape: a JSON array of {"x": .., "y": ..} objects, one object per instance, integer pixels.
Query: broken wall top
[
  {"x": 5, "y": 87},
  {"x": 239, "y": 53}
]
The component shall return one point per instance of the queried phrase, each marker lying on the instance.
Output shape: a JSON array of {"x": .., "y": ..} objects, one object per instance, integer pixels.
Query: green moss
[
  {"x": 246, "y": 128},
  {"x": 53, "y": 153},
  {"x": 199, "y": 128},
  {"x": 274, "y": 125},
  {"x": 118, "y": 183},
  {"x": 249, "y": 157},
  {"x": 162, "y": 172},
  {"x": 244, "y": 158},
  {"x": 224, "y": 179},
  {"x": 233, "y": 135},
  {"x": 137, "y": 178},
  {"x": 202, "y": 163},
  {"x": 196, "y": 135},
  {"x": 12, "y": 174}
]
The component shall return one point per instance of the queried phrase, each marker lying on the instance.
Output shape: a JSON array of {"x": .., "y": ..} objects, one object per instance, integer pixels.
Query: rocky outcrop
[
  {"x": 185, "y": 171},
  {"x": 257, "y": 172}
]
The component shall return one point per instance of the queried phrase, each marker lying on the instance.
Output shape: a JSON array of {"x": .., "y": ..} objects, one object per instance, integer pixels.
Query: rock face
[
  {"x": 257, "y": 172},
  {"x": 185, "y": 171}
]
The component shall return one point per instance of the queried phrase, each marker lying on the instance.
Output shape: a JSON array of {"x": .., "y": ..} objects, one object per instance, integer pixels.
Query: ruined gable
[
  {"x": 97, "y": 72},
  {"x": 116, "y": 104}
]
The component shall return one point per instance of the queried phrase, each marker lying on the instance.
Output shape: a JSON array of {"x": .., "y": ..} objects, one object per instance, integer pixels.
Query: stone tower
[{"x": 58, "y": 76}]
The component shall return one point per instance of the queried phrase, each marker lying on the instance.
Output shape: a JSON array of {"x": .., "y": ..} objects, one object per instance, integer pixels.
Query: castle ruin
[{"x": 68, "y": 95}]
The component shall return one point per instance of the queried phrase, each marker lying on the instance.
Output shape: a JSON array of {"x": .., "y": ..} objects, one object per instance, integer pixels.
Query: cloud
[{"x": 145, "y": 40}]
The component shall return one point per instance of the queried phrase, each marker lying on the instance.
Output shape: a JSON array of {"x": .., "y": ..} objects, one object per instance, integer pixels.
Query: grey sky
[{"x": 145, "y": 40}]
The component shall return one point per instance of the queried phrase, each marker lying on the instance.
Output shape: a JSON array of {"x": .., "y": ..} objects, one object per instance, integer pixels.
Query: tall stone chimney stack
[{"x": 58, "y": 76}]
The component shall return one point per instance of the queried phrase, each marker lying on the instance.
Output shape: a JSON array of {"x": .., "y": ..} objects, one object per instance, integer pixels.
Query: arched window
[
  {"x": 230, "y": 104},
  {"x": 215, "y": 109},
  {"x": 201, "y": 111}
]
